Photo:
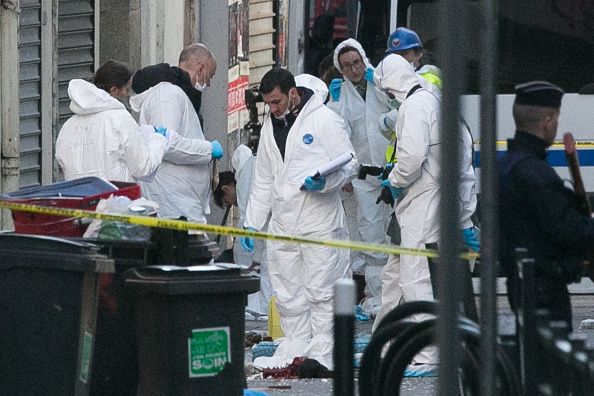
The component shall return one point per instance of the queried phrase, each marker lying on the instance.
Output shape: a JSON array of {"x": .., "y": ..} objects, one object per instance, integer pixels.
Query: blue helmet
[{"x": 403, "y": 39}]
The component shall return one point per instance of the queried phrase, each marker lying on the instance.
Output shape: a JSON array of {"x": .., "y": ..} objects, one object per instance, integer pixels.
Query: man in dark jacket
[
  {"x": 537, "y": 211},
  {"x": 185, "y": 76}
]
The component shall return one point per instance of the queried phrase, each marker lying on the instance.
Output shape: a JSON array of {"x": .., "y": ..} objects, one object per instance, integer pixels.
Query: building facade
[{"x": 46, "y": 43}]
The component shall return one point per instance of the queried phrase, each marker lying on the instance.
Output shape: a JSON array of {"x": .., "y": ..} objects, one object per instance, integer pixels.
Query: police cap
[{"x": 539, "y": 93}]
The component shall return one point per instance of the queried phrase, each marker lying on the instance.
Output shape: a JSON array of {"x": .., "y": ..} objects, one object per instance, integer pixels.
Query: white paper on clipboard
[{"x": 333, "y": 166}]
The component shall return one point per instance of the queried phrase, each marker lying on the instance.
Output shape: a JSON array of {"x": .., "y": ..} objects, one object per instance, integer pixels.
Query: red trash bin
[{"x": 84, "y": 193}]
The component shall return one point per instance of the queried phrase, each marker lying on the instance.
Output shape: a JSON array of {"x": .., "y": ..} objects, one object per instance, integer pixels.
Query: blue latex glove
[
  {"x": 394, "y": 190},
  {"x": 217, "y": 149},
  {"x": 161, "y": 131},
  {"x": 369, "y": 74},
  {"x": 312, "y": 184},
  {"x": 469, "y": 236},
  {"x": 247, "y": 243},
  {"x": 334, "y": 89}
]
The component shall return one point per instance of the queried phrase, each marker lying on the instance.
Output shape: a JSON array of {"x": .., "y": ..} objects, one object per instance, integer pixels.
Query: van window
[{"x": 549, "y": 40}]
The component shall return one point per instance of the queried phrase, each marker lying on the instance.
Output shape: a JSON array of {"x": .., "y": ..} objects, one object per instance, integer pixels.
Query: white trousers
[
  {"x": 406, "y": 278},
  {"x": 302, "y": 278},
  {"x": 371, "y": 221}
]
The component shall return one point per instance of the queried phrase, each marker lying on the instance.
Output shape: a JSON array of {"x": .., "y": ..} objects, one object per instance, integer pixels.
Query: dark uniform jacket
[{"x": 539, "y": 213}]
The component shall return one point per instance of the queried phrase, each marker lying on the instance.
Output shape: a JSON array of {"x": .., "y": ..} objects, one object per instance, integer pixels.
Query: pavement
[{"x": 583, "y": 308}]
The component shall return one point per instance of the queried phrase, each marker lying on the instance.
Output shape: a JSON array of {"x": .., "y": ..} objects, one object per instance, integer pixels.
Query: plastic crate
[{"x": 84, "y": 193}]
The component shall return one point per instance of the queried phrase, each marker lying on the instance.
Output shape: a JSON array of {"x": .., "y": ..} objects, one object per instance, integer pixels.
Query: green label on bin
[
  {"x": 208, "y": 351},
  {"x": 85, "y": 361}
]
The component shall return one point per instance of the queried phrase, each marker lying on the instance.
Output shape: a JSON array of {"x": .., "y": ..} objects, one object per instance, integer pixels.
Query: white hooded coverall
[
  {"x": 302, "y": 276},
  {"x": 243, "y": 161},
  {"x": 102, "y": 139},
  {"x": 370, "y": 145},
  {"x": 417, "y": 172},
  {"x": 181, "y": 185}
]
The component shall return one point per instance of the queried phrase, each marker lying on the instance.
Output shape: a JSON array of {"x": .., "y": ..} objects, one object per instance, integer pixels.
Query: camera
[
  {"x": 253, "y": 127},
  {"x": 369, "y": 170},
  {"x": 382, "y": 174}
]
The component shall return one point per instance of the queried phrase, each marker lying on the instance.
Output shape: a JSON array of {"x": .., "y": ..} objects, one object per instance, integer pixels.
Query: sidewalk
[{"x": 582, "y": 302}]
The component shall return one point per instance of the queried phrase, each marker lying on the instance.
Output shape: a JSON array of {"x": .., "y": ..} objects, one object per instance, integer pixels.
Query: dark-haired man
[
  {"x": 299, "y": 135},
  {"x": 536, "y": 210}
]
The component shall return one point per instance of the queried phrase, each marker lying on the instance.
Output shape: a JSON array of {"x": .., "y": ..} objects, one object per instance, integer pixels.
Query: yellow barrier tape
[{"x": 181, "y": 225}]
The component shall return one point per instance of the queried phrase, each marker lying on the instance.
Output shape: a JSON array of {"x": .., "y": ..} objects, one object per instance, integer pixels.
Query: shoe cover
[
  {"x": 285, "y": 353},
  {"x": 421, "y": 370}
]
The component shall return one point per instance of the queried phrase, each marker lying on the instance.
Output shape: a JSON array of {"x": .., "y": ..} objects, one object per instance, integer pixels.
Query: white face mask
[
  {"x": 200, "y": 87},
  {"x": 286, "y": 112},
  {"x": 394, "y": 104}
]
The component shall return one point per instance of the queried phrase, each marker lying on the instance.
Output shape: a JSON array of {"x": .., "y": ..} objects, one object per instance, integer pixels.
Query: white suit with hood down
[
  {"x": 102, "y": 139},
  {"x": 302, "y": 276},
  {"x": 181, "y": 185},
  {"x": 370, "y": 145}
]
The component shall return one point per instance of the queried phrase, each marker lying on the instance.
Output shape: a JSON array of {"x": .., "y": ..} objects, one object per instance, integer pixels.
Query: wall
[
  {"x": 9, "y": 107},
  {"x": 213, "y": 32},
  {"x": 115, "y": 18},
  {"x": 173, "y": 30},
  {"x": 295, "y": 39},
  {"x": 146, "y": 31}
]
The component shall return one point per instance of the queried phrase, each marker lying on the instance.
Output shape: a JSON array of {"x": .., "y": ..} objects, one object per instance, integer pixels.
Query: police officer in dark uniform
[{"x": 536, "y": 210}]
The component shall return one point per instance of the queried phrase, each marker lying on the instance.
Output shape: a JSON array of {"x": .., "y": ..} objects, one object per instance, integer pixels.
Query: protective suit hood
[
  {"x": 181, "y": 187},
  {"x": 240, "y": 156},
  {"x": 312, "y": 82},
  {"x": 395, "y": 75},
  {"x": 86, "y": 98},
  {"x": 137, "y": 100},
  {"x": 350, "y": 43}
]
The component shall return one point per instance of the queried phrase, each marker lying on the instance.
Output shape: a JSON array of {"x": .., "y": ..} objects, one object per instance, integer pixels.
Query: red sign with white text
[{"x": 236, "y": 94}]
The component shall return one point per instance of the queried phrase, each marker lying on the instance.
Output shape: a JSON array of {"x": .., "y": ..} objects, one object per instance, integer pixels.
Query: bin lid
[
  {"x": 83, "y": 187},
  {"x": 45, "y": 252},
  {"x": 212, "y": 278},
  {"x": 202, "y": 270}
]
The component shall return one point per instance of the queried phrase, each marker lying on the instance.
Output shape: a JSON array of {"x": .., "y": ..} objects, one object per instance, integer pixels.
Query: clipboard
[{"x": 331, "y": 167}]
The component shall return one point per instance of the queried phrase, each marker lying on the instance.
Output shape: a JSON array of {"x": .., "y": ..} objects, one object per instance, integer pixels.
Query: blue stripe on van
[{"x": 555, "y": 157}]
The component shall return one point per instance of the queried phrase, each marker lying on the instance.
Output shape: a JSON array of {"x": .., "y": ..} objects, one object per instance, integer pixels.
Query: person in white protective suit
[
  {"x": 101, "y": 138},
  {"x": 299, "y": 135},
  {"x": 407, "y": 43},
  {"x": 235, "y": 189},
  {"x": 181, "y": 185},
  {"x": 360, "y": 104},
  {"x": 414, "y": 178}
]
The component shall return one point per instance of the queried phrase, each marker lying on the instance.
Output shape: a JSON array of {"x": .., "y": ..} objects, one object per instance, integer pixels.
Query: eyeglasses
[{"x": 352, "y": 66}]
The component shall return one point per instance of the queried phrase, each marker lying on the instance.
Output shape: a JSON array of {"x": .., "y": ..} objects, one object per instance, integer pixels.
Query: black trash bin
[
  {"x": 49, "y": 292},
  {"x": 115, "y": 362},
  {"x": 190, "y": 328},
  {"x": 115, "y": 367}
]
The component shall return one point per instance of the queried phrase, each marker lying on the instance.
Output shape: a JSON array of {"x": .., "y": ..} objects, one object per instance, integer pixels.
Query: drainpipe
[{"x": 9, "y": 102}]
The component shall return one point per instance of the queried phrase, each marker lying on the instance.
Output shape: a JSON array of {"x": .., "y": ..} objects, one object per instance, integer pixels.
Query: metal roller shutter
[
  {"x": 76, "y": 48},
  {"x": 30, "y": 92}
]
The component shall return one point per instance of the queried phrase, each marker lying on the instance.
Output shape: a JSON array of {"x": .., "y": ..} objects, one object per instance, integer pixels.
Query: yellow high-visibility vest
[
  {"x": 433, "y": 75},
  {"x": 433, "y": 79},
  {"x": 390, "y": 149}
]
